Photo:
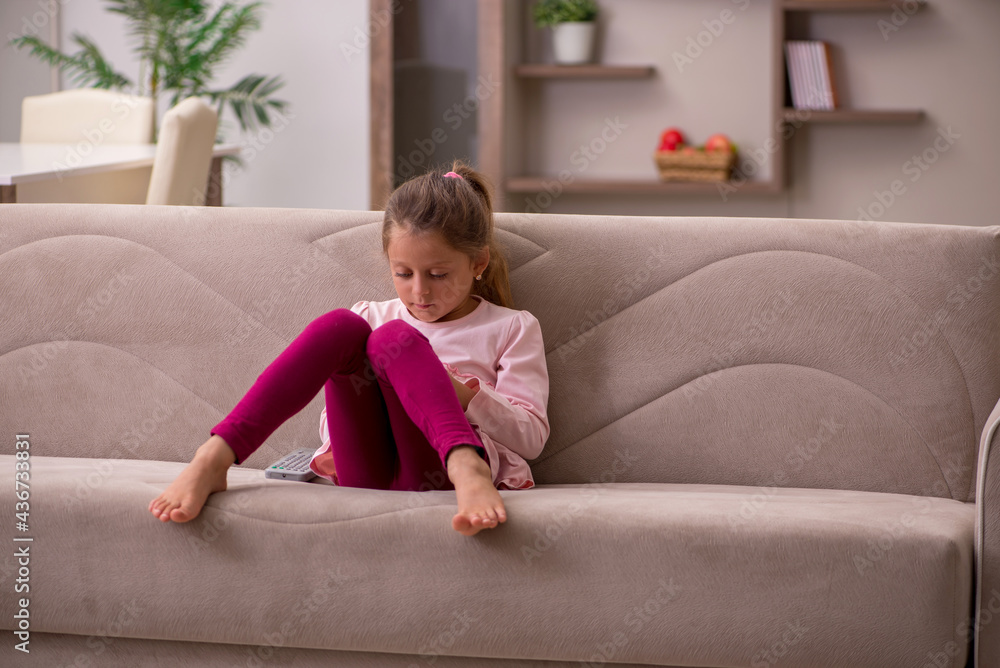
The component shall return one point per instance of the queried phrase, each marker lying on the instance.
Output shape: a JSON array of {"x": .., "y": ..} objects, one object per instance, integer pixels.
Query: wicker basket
[{"x": 698, "y": 166}]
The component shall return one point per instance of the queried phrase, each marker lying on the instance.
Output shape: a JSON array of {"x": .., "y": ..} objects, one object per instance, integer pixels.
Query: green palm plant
[{"x": 179, "y": 44}]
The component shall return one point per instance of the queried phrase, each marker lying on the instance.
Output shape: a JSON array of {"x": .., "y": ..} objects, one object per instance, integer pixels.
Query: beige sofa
[{"x": 769, "y": 447}]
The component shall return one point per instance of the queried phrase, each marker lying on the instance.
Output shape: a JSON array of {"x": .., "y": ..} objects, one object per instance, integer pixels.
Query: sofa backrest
[{"x": 745, "y": 351}]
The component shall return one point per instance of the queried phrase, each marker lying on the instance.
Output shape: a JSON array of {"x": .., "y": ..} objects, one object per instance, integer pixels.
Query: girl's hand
[{"x": 464, "y": 392}]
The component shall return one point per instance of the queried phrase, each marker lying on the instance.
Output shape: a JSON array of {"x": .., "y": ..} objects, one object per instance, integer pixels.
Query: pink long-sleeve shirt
[{"x": 498, "y": 351}]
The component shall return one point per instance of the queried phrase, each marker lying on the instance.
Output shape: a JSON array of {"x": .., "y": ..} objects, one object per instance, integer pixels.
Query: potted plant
[{"x": 573, "y": 24}]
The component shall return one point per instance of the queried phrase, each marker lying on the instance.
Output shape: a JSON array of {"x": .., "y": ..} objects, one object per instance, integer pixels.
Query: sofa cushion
[
  {"x": 684, "y": 574},
  {"x": 718, "y": 344},
  {"x": 654, "y": 329}
]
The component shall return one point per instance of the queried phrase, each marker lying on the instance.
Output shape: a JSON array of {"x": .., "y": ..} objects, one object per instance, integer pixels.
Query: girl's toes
[{"x": 182, "y": 513}]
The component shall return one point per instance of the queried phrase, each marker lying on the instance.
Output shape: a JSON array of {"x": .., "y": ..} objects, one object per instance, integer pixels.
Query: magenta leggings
[{"x": 392, "y": 411}]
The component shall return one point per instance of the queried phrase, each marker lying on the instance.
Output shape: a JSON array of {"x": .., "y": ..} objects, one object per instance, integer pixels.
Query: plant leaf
[
  {"x": 104, "y": 75},
  {"x": 86, "y": 67},
  {"x": 250, "y": 100}
]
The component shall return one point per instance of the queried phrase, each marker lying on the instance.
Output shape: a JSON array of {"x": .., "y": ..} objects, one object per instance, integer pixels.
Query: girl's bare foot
[
  {"x": 186, "y": 495},
  {"x": 479, "y": 503}
]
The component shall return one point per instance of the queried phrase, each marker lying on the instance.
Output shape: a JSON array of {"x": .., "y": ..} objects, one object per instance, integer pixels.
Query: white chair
[
  {"x": 183, "y": 154},
  {"x": 87, "y": 115},
  {"x": 83, "y": 118}
]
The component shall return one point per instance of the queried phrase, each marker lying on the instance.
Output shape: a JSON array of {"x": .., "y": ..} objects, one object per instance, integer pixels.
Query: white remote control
[{"x": 293, "y": 466}]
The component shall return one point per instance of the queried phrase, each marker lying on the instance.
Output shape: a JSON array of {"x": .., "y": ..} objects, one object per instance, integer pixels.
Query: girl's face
[{"x": 432, "y": 279}]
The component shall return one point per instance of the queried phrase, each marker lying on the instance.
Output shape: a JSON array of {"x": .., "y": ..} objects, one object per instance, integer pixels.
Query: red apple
[
  {"x": 671, "y": 139},
  {"x": 718, "y": 142}
]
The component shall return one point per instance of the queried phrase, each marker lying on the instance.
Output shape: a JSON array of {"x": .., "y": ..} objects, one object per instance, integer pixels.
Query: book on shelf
[{"x": 810, "y": 75}]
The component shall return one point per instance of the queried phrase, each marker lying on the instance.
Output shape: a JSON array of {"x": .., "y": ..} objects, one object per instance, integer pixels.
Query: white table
[{"x": 27, "y": 163}]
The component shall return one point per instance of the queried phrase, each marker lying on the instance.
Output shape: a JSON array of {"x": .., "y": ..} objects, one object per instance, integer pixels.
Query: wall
[{"x": 942, "y": 59}]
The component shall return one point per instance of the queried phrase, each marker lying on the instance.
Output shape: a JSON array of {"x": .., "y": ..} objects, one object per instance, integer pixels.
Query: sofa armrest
[{"x": 987, "y": 626}]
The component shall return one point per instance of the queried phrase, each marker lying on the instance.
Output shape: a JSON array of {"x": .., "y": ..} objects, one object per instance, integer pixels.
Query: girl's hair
[{"x": 461, "y": 211}]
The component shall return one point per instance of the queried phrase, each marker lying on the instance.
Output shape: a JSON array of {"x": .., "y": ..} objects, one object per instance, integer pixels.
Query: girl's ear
[{"x": 482, "y": 260}]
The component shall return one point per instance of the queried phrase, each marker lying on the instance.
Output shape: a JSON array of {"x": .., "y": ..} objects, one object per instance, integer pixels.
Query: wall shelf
[
  {"x": 841, "y": 5},
  {"x": 584, "y": 71},
  {"x": 534, "y": 184},
  {"x": 852, "y": 116}
]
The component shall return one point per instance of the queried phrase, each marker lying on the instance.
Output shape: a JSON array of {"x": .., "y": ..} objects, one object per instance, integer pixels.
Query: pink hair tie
[{"x": 453, "y": 175}]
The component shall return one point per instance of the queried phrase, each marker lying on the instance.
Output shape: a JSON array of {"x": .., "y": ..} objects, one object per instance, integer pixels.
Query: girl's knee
[
  {"x": 390, "y": 340},
  {"x": 393, "y": 335},
  {"x": 341, "y": 323}
]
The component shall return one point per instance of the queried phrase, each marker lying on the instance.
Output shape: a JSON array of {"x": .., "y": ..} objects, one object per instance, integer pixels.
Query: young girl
[{"x": 445, "y": 387}]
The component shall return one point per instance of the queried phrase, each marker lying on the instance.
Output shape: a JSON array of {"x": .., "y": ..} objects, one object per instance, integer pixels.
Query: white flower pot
[{"x": 573, "y": 42}]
